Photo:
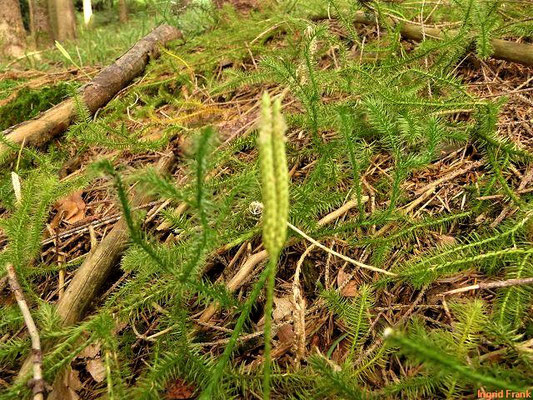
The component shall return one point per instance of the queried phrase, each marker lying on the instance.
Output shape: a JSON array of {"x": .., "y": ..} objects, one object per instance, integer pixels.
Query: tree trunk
[
  {"x": 87, "y": 12},
  {"x": 40, "y": 23},
  {"x": 122, "y": 11},
  {"x": 12, "y": 34},
  {"x": 62, "y": 19}
]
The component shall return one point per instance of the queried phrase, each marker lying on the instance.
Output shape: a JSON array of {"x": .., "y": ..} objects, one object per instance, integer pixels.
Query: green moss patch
[{"x": 30, "y": 102}]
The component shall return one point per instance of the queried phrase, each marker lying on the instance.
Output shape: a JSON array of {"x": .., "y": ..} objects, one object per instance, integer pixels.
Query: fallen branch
[
  {"x": 95, "y": 94},
  {"x": 502, "y": 49},
  {"x": 490, "y": 285},
  {"x": 96, "y": 268},
  {"x": 37, "y": 383},
  {"x": 92, "y": 274}
]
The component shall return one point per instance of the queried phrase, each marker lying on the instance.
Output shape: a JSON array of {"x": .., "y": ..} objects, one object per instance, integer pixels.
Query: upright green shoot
[{"x": 275, "y": 194}]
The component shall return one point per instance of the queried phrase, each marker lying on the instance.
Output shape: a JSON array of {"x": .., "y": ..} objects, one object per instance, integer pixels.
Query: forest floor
[{"x": 418, "y": 163}]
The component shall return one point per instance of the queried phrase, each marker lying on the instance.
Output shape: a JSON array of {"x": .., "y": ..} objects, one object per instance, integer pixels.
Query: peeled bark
[
  {"x": 12, "y": 34},
  {"x": 87, "y": 12},
  {"x": 95, "y": 94},
  {"x": 41, "y": 31}
]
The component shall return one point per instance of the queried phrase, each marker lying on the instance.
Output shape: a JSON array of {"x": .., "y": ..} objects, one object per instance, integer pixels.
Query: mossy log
[{"x": 97, "y": 93}]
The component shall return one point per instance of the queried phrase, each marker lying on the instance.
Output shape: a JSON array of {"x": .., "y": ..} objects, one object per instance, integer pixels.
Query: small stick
[
  {"x": 60, "y": 262},
  {"x": 61, "y": 282},
  {"x": 341, "y": 211},
  {"x": 37, "y": 383},
  {"x": 490, "y": 285},
  {"x": 341, "y": 256}
]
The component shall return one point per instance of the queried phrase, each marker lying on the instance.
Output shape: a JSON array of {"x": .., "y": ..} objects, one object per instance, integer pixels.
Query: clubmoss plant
[
  {"x": 374, "y": 117},
  {"x": 274, "y": 175},
  {"x": 275, "y": 194}
]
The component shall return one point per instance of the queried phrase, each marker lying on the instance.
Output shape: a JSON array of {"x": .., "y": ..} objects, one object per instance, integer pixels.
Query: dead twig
[
  {"x": 341, "y": 256},
  {"x": 490, "y": 285},
  {"x": 37, "y": 383}
]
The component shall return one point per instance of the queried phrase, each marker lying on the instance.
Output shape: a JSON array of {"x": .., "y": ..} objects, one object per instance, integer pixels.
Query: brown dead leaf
[
  {"x": 73, "y": 380},
  {"x": 180, "y": 390},
  {"x": 283, "y": 307},
  {"x": 97, "y": 369},
  {"x": 445, "y": 240},
  {"x": 70, "y": 209},
  {"x": 342, "y": 276},
  {"x": 348, "y": 289},
  {"x": 64, "y": 388},
  {"x": 91, "y": 351},
  {"x": 285, "y": 333},
  {"x": 64, "y": 393}
]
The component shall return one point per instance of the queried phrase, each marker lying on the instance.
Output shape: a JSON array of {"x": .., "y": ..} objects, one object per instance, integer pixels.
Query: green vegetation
[
  {"x": 30, "y": 102},
  {"x": 371, "y": 119}
]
